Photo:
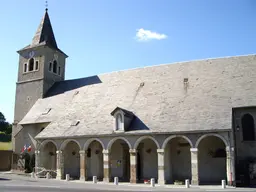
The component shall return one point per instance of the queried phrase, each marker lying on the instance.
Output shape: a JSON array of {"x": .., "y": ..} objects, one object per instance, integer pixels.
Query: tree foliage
[{"x": 5, "y": 128}]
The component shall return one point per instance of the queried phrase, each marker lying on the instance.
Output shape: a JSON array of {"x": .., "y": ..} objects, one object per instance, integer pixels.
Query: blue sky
[{"x": 100, "y": 35}]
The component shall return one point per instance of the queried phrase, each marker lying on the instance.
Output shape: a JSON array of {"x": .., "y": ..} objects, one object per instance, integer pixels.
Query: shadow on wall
[
  {"x": 137, "y": 124},
  {"x": 68, "y": 85}
]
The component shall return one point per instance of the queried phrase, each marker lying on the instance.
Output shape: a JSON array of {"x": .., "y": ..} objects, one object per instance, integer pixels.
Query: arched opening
[
  {"x": 54, "y": 66},
  {"x": 31, "y": 64},
  {"x": 147, "y": 165},
  {"x": 72, "y": 160},
  {"x": 177, "y": 160},
  {"x": 248, "y": 128},
  {"x": 94, "y": 165},
  {"x": 48, "y": 157},
  {"x": 120, "y": 160},
  {"x": 211, "y": 160}
]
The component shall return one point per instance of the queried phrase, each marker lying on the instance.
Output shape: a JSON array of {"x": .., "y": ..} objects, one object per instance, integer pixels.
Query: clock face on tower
[
  {"x": 31, "y": 54},
  {"x": 55, "y": 56}
]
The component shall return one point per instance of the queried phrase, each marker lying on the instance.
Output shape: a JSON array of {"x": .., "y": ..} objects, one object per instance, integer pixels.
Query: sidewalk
[
  {"x": 128, "y": 186},
  {"x": 148, "y": 186}
]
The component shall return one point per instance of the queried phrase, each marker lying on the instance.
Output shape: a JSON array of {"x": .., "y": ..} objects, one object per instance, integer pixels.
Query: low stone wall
[{"x": 5, "y": 160}]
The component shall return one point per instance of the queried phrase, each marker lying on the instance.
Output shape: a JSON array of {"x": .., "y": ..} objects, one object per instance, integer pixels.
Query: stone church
[{"x": 191, "y": 120}]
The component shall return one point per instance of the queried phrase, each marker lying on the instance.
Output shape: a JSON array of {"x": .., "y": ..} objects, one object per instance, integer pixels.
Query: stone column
[
  {"x": 83, "y": 170},
  {"x": 106, "y": 162},
  {"x": 194, "y": 166},
  {"x": 133, "y": 166},
  {"x": 60, "y": 165},
  {"x": 37, "y": 160},
  {"x": 160, "y": 156},
  {"x": 230, "y": 166}
]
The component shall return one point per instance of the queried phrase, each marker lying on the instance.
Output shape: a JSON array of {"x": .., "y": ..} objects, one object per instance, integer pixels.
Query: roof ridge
[{"x": 159, "y": 65}]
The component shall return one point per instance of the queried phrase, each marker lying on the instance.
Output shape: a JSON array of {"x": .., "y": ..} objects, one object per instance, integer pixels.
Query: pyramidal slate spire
[{"x": 44, "y": 34}]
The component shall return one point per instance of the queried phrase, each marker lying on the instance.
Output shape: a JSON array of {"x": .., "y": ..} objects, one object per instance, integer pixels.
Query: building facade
[{"x": 191, "y": 120}]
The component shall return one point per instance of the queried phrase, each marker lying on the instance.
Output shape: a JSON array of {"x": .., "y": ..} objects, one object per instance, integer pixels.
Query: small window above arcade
[{"x": 122, "y": 119}]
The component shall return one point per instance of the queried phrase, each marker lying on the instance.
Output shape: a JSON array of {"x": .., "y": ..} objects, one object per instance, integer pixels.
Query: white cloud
[{"x": 146, "y": 35}]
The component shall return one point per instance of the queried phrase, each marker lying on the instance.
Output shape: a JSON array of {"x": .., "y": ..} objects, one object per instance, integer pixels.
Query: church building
[{"x": 189, "y": 120}]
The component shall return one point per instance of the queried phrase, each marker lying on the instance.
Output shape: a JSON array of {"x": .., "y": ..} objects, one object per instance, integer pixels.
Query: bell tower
[{"x": 41, "y": 64}]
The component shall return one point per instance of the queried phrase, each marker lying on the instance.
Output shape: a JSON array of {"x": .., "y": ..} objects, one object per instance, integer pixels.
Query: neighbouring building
[{"x": 190, "y": 120}]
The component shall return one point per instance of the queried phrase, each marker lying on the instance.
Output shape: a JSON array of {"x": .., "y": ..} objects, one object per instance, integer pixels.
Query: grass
[{"x": 5, "y": 145}]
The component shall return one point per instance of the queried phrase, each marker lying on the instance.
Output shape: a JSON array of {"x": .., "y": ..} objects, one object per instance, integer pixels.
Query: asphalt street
[{"x": 17, "y": 183}]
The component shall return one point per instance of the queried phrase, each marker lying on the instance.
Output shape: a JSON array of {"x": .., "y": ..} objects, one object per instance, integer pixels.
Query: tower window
[
  {"x": 50, "y": 66},
  {"x": 37, "y": 65},
  {"x": 248, "y": 128},
  {"x": 59, "y": 71},
  {"x": 25, "y": 67},
  {"x": 54, "y": 66},
  {"x": 31, "y": 64}
]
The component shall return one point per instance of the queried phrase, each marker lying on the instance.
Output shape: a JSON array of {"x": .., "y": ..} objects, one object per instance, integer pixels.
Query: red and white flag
[
  {"x": 24, "y": 148},
  {"x": 29, "y": 148}
]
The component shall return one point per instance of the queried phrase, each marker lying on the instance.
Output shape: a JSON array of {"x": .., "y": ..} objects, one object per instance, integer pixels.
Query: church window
[
  {"x": 119, "y": 122},
  {"x": 54, "y": 66},
  {"x": 50, "y": 66},
  {"x": 59, "y": 71},
  {"x": 25, "y": 68},
  {"x": 248, "y": 128},
  {"x": 31, "y": 64},
  {"x": 37, "y": 65}
]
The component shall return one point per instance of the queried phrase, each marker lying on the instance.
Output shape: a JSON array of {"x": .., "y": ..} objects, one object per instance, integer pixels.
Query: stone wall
[{"x": 5, "y": 160}]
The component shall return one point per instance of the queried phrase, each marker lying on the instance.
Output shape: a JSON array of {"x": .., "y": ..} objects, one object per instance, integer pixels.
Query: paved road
[{"x": 16, "y": 183}]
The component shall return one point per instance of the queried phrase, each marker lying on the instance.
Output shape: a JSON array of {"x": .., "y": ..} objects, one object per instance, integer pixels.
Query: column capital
[
  {"x": 59, "y": 152},
  {"x": 133, "y": 151},
  {"x": 160, "y": 150},
  {"x": 229, "y": 149},
  {"x": 82, "y": 152},
  {"x": 105, "y": 151},
  {"x": 193, "y": 149}
]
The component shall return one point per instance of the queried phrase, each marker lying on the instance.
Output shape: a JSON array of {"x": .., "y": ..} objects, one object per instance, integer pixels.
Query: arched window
[
  {"x": 248, "y": 128},
  {"x": 59, "y": 71},
  {"x": 50, "y": 66},
  {"x": 119, "y": 122},
  {"x": 25, "y": 68},
  {"x": 37, "y": 65},
  {"x": 31, "y": 64},
  {"x": 54, "y": 66}
]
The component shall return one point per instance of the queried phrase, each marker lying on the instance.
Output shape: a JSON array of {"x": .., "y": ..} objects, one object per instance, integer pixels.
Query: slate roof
[{"x": 164, "y": 104}]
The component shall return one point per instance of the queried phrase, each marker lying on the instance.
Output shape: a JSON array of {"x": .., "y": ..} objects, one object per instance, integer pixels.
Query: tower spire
[{"x": 44, "y": 33}]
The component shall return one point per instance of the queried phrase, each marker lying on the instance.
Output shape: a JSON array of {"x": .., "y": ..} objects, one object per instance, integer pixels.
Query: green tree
[{"x": 5, "y": 127}]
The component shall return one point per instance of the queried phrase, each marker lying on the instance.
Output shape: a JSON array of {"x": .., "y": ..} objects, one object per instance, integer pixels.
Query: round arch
[
  {"x": 146, "y": 137},
  {"x": 110, "y": 143},
  {"x": 64, "y": 143},
  {"x": 209, "y": 135},
  {"x": 45, "y": 142},
  {"x": 89, "y": 141},
  {"x": 175, "y": 136}
]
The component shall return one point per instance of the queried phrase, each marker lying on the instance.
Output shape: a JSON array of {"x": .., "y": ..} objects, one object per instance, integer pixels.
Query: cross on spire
[{"x": 46, "y": 5}]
